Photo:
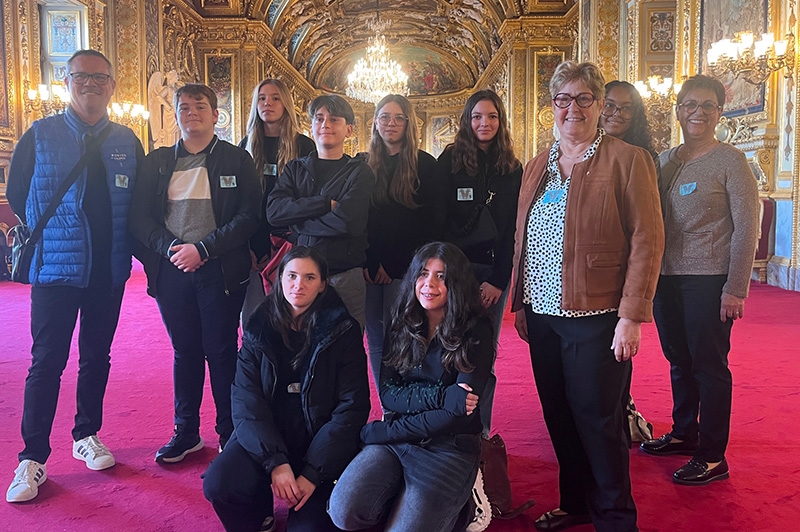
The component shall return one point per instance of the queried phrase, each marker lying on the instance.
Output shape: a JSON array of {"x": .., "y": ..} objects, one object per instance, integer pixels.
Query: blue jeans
[
  {"x": 696, "y": 344},
  {"x": 203, "y": 324},
  {"x": 406, "y": 485},
  {"x": 380, "y": 298},
  {"x": 240, "y": 491},
  {"x": 482, "y": 271},
  {"x": 54, "y": 312}
]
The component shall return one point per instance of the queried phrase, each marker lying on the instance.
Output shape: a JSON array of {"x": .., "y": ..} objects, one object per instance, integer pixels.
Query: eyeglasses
[
  {"x": 386, "y": 119},
  {"x": 82, "y": 78},
  {"x": 707, "y": 106},
  {"x": 609, "y": 110},
  {"x": 563, "y": 100}
]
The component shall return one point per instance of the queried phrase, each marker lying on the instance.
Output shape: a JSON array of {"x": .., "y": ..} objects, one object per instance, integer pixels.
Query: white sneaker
[
  {"x": 92, "y": 451},
  {"x": 27, "y": 478},
  {"x": 483, "y": 508}
]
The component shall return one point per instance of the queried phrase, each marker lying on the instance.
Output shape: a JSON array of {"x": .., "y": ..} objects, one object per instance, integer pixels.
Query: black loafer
[
  {"x": 664, "y": 446},
  {"x": 697, "y": 473},
  {"x": 554, "y": 522}
]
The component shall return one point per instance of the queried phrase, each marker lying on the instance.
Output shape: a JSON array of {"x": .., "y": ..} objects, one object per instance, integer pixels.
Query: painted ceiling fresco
[{"x": 443, "y": 45}]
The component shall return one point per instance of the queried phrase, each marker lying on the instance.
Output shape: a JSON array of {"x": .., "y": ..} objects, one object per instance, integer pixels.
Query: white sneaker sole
[
  {"x": 98, "y": 467},
  {"x": 27, "y": 495},
  {"x": 181, "y": 456}
]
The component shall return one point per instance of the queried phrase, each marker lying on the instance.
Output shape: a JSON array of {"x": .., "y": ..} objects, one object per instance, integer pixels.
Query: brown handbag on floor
[{"x": 496, "y": 484}]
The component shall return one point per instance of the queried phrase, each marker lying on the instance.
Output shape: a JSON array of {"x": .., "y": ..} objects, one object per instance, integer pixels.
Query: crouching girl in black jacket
[
  {"x": 300, "y": 398},
  {"x": 420, "y": 462}
]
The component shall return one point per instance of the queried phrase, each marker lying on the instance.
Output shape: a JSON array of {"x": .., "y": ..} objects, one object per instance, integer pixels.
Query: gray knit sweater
[{"x": 711, "y": 215}]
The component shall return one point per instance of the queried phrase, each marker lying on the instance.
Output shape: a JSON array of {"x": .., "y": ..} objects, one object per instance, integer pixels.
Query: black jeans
[
  {"x": 240, "y": 491},
  {"x": 203, "y": 324},
  {"x": 696, "y": 344},
  {"x": 54, "y": 313},
  {"x": 580, "y": 386}
]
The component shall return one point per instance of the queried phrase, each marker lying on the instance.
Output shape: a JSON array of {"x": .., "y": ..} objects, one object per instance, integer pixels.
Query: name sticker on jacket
[
  {"x": 293, "y": 387},
  {"x": 688, "y": 188},
  {"x": 270, "y": 169},
  {"x": 464, "y": 194},
  {"x": 227, "y": 181},
  {"x": 121, "y": 180},
  {"x": 552, "y": 196}
]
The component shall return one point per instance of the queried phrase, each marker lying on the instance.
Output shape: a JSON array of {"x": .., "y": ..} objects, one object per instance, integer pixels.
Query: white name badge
[
  {"x": 227, "y": 181},
  {"x": 464, "y": 194},
  {"x": 121, "y": 180},
  {"x": 293, "y": 387}
]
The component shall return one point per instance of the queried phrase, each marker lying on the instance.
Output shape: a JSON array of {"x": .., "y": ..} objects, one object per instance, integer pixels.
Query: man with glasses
[{"x": 81, "y": 261}]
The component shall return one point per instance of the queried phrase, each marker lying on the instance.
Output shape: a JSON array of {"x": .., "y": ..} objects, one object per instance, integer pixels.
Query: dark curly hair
[
  {"x": 407, "y": 340},
  {"x": 638, "y": 132}
]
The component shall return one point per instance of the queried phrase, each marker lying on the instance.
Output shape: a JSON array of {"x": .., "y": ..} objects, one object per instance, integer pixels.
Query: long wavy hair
[
  {"x": 279, "y": 311},
  {"x": 465, "y": 148},
  {"x": 638, "y": 132},
  {"x": 405, "y": 182},
  {"x": 408, "y": 333},
  {"x": 287, "y": 145}
]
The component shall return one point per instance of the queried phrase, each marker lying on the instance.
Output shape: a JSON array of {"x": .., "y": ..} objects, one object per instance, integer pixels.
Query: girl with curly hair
[{"x": 420, "y": 462}]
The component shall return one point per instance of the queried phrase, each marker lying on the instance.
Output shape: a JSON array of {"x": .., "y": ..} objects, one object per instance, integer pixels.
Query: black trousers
[
  {"x": 203, "y": 324},
  {"x": 580, "y": 386},
  {"x": 696, "y": 344},
  {"x": 54, "y": 313},
  {"x": 240, "y": 491}
]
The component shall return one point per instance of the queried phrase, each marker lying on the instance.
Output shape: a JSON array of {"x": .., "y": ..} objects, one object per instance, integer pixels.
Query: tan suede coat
[{"x": 613, "y": 231}]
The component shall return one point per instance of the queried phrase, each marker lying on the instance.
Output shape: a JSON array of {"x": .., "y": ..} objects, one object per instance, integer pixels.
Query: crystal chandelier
[{"x": 376, "y": 75}]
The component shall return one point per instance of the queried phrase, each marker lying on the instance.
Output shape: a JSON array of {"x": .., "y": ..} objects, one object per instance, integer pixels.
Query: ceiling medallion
[{"x": 376, "y": 75}]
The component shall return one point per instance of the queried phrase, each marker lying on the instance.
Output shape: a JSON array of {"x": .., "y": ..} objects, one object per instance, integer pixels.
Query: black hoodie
[{"x": 302, "y": 201}]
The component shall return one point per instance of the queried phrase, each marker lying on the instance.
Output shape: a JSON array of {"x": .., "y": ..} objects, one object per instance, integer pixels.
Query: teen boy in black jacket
[
  {"x": 324, "y": 198},
  {"x": 193, "y": 212}
]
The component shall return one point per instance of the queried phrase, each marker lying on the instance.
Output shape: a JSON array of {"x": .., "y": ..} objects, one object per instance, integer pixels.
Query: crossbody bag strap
[{"x": 93, "y": 146}]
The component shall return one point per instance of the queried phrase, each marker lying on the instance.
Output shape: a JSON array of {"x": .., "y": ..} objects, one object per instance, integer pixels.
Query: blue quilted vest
[{"x": 63, "y": 254}]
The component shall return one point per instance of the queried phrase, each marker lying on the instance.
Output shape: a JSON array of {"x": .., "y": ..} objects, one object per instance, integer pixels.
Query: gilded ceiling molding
[
  {"x": 219, "y": 7},
  {"x": 537, "y": 30},
  {"x": 550, "y": 6}
]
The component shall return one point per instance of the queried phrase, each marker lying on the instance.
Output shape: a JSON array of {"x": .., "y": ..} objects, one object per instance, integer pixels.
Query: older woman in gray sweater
[{"x": 709, "y": 200}]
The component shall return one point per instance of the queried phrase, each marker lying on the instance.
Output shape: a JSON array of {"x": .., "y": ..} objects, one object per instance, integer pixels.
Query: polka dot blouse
[{"x": 544, "y": 251}]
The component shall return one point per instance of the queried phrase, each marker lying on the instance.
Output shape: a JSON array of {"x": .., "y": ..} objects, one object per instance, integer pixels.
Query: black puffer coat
[{"x": 334, "y": 394}]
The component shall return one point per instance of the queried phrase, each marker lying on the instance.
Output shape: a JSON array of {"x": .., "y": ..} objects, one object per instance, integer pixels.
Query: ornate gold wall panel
[
  {"x": 127, "y": 32},
  {"x": 608, "y": 23},
  {"x": 181, "y": 27},
  {"x": 537, "y": 45}
]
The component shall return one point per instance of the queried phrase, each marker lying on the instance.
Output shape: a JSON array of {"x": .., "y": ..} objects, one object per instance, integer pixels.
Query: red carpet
[{"x": 763, "y": 492}]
